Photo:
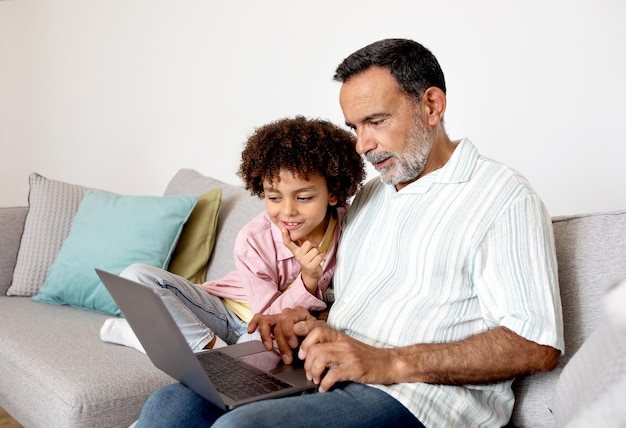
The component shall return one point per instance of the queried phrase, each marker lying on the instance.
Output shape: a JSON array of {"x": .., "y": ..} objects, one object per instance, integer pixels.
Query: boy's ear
[{"x": 332, "y": 200}]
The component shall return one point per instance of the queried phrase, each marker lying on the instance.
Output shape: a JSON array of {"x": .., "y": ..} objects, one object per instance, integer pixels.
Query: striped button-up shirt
[{"x": 464, "y": 249}]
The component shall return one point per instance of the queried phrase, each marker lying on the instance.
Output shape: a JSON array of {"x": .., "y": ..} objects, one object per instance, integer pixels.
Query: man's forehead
[
  {"x": 367, "y": 95},
  {"x": 371, "y": 82}
]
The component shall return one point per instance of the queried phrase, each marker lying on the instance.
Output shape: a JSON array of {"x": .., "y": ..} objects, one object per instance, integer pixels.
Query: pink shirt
[{"x": 268, "y": 275}]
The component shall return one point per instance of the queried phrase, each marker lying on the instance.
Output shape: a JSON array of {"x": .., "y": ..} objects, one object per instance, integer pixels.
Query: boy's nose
[{"x": 289, "y": 208}]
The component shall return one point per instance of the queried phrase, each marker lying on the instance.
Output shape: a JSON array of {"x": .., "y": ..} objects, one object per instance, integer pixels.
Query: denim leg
[
  {"x": 198, "y": 314},
  {"x": 347, "y": 405},
  {"x": 176, "y": 406}
]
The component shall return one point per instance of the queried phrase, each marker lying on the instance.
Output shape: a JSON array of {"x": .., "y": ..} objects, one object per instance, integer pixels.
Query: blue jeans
[
  {"x": 199, "y": 314},
  {"x": 347, "y": 405}
]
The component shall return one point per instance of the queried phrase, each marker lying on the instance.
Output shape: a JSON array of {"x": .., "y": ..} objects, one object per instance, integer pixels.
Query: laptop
[{"x": 213, "y": 374}]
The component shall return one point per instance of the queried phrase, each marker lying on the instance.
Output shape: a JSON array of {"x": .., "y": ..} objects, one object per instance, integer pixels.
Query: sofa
[{"x": 56, "y": 372}]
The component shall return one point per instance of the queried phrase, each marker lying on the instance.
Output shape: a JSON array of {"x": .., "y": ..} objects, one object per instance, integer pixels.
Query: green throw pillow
[
  {"x": 194, "y": 247},
  {"x": 111, "y": 232}
]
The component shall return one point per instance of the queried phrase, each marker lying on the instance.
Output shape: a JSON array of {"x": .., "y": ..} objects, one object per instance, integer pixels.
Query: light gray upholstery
[
  {"x": 11, "y": 227},
  {"x": 55, "y": 371},
  {"x": 237, "y": 209},
  {"x": 52, "y": 207},
  {"x": 591, "y": 252},
  {"x": 592, "y": 387}
]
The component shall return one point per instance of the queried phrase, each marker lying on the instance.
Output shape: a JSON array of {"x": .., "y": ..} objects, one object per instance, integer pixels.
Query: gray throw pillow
[{"x": 52, "y": 206}]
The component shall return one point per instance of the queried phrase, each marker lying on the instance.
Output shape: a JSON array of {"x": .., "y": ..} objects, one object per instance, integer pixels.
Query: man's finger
[
  {"x": 265, "y": 330},
  {"x": 283, "y": 345},
  {"x": 253, "y": 324}
]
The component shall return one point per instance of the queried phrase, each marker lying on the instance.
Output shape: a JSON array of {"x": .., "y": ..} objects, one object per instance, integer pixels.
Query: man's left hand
[{"x": 332, "y": 357}]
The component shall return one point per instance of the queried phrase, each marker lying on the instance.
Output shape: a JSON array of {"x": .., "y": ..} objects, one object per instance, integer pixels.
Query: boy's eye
[
  {"x": 305, "y": 198},
  {"x": 273, "y": 198}
]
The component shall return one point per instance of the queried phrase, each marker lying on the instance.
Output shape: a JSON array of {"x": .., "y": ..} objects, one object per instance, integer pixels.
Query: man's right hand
[{"x": 285, "y": 328}]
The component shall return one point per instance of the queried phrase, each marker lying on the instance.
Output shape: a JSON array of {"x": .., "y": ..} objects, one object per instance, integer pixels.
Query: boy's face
[{"x": 298, "y": 205}]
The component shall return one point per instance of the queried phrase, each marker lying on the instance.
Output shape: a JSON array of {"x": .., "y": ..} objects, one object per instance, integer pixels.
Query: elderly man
[{"x": 446, "y": 282}]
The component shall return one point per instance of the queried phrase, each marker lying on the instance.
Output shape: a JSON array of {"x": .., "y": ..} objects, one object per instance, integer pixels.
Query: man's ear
[{"x": 434, "y": 105}]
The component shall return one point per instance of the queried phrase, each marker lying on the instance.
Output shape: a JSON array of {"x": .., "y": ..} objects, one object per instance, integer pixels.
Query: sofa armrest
[{"x": 11, "y": 227}]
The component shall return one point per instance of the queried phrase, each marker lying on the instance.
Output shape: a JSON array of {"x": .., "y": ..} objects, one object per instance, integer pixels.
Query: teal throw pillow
[{"x": 111, "y": 232}]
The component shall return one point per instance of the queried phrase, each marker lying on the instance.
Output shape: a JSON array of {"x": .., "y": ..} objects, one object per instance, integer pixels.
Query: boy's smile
[{"x": 300, "y": 206}]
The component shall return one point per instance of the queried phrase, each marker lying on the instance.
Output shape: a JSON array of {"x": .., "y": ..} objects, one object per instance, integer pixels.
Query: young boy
[{"x": 306, "y": 170}]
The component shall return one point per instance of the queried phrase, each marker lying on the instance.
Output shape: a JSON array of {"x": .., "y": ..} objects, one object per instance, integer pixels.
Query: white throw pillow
[{"x": 591, "y": 389}]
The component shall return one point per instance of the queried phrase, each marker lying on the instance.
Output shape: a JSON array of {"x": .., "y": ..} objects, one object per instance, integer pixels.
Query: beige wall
[{"x": 120, "y": 94}]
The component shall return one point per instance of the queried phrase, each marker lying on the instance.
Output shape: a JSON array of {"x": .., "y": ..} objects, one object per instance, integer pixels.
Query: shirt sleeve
[{"x": 516, "y": 274}]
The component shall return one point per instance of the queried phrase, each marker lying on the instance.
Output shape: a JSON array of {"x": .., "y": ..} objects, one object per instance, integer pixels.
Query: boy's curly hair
[{"x": 303, "y": 146}]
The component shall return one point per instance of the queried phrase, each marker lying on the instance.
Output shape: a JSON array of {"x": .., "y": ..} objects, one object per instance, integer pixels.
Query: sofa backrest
[
  {"x": 238, "y": 207},
  {"x": 11, "y": 226},
  {"x": 591, "y": 253}
]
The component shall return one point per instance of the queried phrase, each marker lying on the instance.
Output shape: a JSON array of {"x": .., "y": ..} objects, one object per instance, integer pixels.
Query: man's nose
[{"x": 364, "y": 142}]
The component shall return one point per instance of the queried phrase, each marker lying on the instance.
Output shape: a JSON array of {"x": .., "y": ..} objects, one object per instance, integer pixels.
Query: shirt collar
[
  {"x": 458, "y": 169},
  {"x": 461, "y": 164}
]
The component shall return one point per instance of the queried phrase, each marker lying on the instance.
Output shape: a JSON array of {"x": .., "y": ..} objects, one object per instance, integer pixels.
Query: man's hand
[
  {"x": 282, "y": 327},
  {"x": 332, "y": 357},
  {"x": 310, "y": 259},
  {"x": 488, "y": 357}
]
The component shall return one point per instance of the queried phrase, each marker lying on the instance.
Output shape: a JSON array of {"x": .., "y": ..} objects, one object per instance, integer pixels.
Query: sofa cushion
[
  {"x": 591, "y": 253},
  {"x": 52, "y": 205},
  {"x": 111, "y": 232},
  {"x": 191, "y": 255},
  {"x": 57, "y": 373},
  {"x": 238, "y": 207}
]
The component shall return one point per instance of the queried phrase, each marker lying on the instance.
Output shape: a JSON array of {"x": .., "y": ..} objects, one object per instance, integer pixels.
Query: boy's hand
[{"x": 310, "y": 259}]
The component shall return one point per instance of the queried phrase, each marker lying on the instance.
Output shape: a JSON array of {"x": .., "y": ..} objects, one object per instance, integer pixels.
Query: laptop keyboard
[{"x": 236, "y": 380}]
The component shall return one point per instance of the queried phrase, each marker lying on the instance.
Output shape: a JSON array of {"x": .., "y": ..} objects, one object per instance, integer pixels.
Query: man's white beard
[{"x": 410, "y": 164}]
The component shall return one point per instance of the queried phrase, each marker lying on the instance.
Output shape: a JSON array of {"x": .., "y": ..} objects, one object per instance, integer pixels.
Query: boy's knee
[{"x": 138, "y": 272}]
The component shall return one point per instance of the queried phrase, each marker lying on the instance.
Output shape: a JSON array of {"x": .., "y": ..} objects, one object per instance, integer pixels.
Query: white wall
[{"x": 119, "y": 94}]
